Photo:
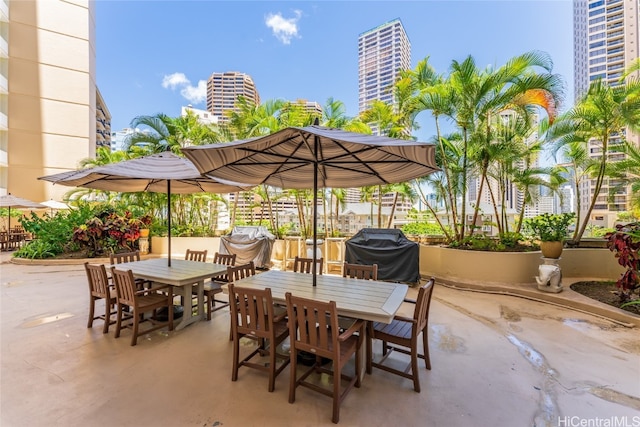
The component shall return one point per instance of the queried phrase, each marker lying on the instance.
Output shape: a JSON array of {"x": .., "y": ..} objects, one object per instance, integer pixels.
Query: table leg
[{"x": 187, "y": 312}]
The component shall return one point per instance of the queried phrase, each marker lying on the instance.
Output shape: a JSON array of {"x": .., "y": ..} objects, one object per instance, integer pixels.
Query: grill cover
[
  {"x": 249, "y": 243},
  {"x": 397, "y": 257}
]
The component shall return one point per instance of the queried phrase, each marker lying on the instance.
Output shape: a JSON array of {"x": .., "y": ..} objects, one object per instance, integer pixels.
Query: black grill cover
[
  {"x": 397, "y": 257},
  {"x": 249, "y": 243}
]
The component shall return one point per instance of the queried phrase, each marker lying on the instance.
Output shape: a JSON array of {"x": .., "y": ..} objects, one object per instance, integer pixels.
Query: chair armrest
[
  {"x": 404, "y": 319},
  {"x": 409, "y": 300},
  {"x": 279, "y": 317},
  {"x": 357, "y": 326},
  {"x": 158, "y": 288}
]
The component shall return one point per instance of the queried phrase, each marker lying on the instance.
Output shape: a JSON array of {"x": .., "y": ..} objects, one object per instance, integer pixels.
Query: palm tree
[
  {"x": 627, "y": 173},
  {"x": 161, "y": 133},
  {"x": 603, "y": 113},
  {"x": 255, "y": 120},
  {"x": 480, "y": 96}
]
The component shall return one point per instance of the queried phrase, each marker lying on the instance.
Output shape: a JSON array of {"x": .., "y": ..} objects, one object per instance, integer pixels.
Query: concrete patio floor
[{"x": 496, "y": 361}]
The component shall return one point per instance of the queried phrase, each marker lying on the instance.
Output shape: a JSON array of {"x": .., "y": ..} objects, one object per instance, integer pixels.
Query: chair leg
[
  {"x": 119, "y": 321},
  {"x": 210, "y": 304},
  {"x": 337, "y": 374},
  {"x": 414, "y": 368},
  {"x": 92, "y": 307},
  {"x": 272, "y": 367},
  {"x": 292, "y": 376},
  {"x": 358, "y": 362},
  {"x": 425, "y": 345},
  {"x": 236, "y": 358},
  {"x": 136, "y": 321},
  {"x": 170, "y": 312},
  {"x": 107, "y": 316},
  {"x": 369, "y": 355}
]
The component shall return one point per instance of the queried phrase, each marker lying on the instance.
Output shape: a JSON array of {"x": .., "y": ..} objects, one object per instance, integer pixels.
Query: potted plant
[
  {"x": 550, "y": 230},
  {"x": 144, "y": 223}
]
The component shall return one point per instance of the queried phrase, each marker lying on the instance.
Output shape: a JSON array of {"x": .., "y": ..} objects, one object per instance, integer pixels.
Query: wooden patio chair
[
  {"x": 360, "y": 271},
  {"x": 305, "y": 265},
  {"x": 141, "y": 302},
  {"x": 214, "y": 287},
  {"x": 131, "y": 256},
  {"x": 192, "y": 255},
  {"x": 238, "y": 272},
  {"x": 252, "y": 316},
  {"x": 121, "y": 257},
  {"x": 100, "y": 288},
  {"x": 313, "y": 328},
  {"x": 402, "y": 335}
]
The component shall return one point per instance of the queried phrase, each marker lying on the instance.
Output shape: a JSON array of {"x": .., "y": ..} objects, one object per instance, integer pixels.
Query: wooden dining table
[
  {"x": 182, "y": 275},
  {"x": 369, "y": 300},
  {"x": 361, "y": 299}
]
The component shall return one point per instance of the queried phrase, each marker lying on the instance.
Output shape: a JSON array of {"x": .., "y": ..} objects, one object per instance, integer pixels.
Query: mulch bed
[{"x": 605, "y": 292}]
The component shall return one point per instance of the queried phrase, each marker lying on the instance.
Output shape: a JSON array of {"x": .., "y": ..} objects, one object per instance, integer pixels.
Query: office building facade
[
  {"x": 48, "y": 95},
  {"x": 606, "y": 42},
  {"x": 383, "y": 52}
]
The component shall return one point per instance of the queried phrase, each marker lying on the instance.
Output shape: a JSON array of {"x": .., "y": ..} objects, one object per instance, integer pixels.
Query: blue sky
[{"x": 155, "y": 56}]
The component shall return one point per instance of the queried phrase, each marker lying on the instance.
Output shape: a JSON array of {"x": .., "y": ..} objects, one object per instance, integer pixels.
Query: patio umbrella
[
  {"x": 315, "y": 157},
  {"x": 55, "y": 205},
  {"x": 157, "y": 173},
  {"x": 9, "y": 201}
]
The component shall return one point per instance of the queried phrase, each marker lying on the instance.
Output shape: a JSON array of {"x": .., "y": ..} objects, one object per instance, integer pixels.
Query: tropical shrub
[
  {"x": 422, "y": 229},
  {"x": 109, "y": 232},
  {"x": 625, "y": 244},
  {"x": 37, "y": 249},
  {"x": 53, "y": 234}
]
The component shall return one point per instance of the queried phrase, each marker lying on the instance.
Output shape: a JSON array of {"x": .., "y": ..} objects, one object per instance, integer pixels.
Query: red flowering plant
[{"x": 625, "y": 244}]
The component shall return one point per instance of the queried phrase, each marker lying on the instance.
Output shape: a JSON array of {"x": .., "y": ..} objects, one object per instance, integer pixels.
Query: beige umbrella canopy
[
  {"x": 54, "y": 204},
  {"x": 10, "y": 201},
  {"x": 157, "y": 173},
  {"x": 315, "y": 157}
]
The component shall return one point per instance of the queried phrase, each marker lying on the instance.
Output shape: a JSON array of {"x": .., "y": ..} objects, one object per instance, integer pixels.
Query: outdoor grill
[
  {"x": 249, "y": 243},
  {"x": 397, "y": 257}
]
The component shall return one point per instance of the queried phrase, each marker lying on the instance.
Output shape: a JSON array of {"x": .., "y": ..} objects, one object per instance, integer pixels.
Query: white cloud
[
  {"x": 283, "y": 29},
  {"x": 194, "y": 94}
]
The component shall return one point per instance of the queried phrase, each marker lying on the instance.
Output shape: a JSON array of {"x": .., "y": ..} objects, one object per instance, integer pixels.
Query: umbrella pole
[
  {"x": 315, "y": 212},
  {"x": 169, "y": 222}
]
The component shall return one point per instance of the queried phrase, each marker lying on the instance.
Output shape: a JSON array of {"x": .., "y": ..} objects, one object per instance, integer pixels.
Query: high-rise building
[
  {"x": 606, "y": 42},
  {"x": 48, "y": 94},
  {"x": 103, "y": 122},
  {"x": 223, "y": 90},
  {"x": 383, "y": 52}
]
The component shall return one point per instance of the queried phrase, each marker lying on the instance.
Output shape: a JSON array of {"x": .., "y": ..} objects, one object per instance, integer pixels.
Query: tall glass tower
[
  {"x": 606, "y": 42},
  {"x": 383, "y": 52}
]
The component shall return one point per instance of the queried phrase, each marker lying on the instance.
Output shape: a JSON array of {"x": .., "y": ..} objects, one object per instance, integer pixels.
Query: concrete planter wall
[
  {"x": 179, "y": 245},
  {"x": 469, "y": 267},
  {"x": 453, "y": 265}
]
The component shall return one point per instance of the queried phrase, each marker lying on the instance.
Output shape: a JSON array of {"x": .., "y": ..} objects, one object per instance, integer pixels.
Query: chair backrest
[
  {"x": 313, "y": 326},
  {"x": 423, "y": 302},
  {"x": 252, "y": 313},
  {"x": 200, "y": 256},
  {"x": 124, "y": 257},
  {"x": 98, "y": 280},
  {"x": 238, "y": 272},
  {"x": 305, "y": 265},
  {"x": 224, "y": 259},
  {"x": 125, "y": 286},
  {"x": 360, "y": 271}
]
